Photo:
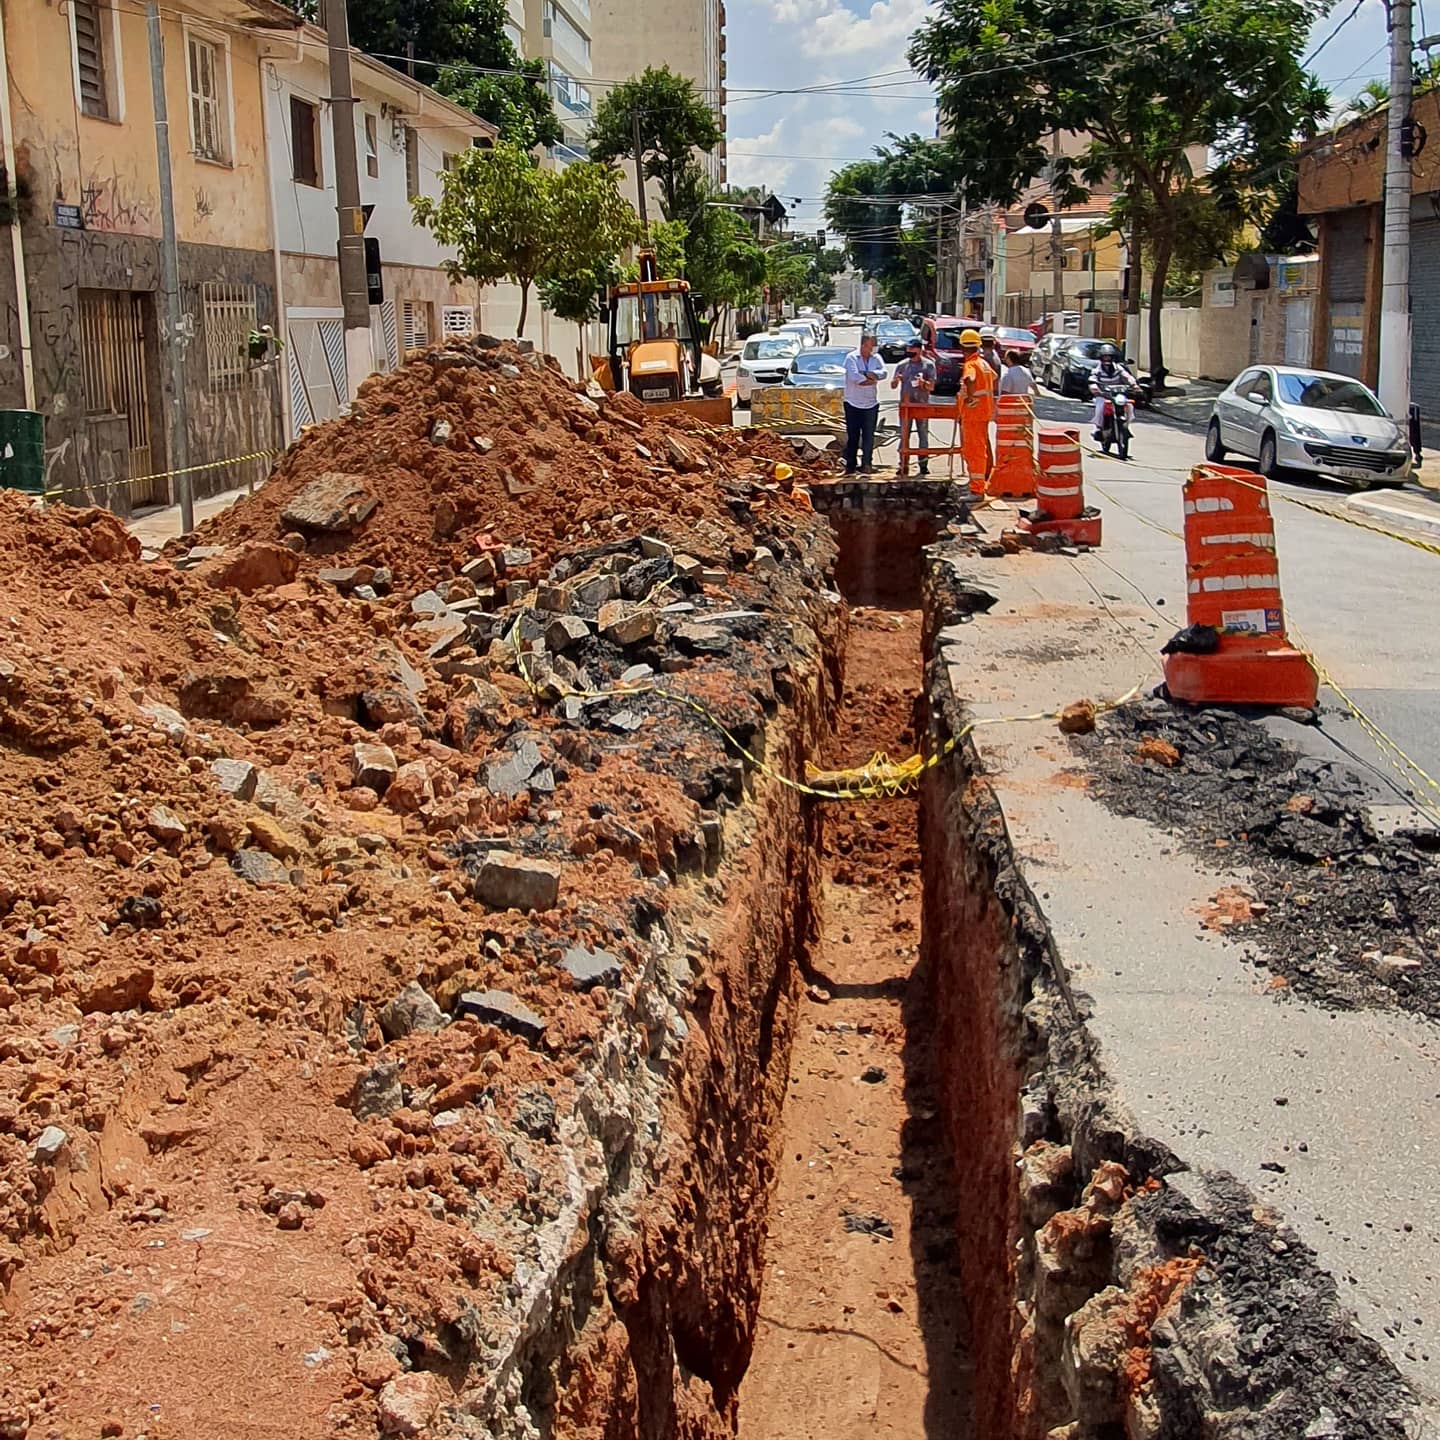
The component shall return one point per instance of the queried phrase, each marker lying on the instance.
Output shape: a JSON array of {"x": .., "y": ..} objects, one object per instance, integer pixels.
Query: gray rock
[
  {"x": 510, "y": 774},
  {"x": 382, "y": 707},
  {"x": 535, "y": 1113},
  {"x": 236, "y": 778},
  {"x": 165, "y": 825},
  {"x": 439, "y": 634},
  {"x": 515, "y": 591},
  {"x": 653, "y": 549},
  {"x": 622, "y": 625},
  {"x": 259, "y": 867},
  {"x": 501, "y": 1009},
  {"x": 377, "y": 1092},
  {"x": 640, "y": 579},
  {"x": 597, "y": 590},
  {"x": 515, "y": 557},
  {"x": 553, "y": 597},
  {"x": 481, "y": 569},
  {"x": 697, "y": 639},
  {"x": 687, "y": 567},
  {"x": 365, "y": 592},
  {"x": 347, "y": 578},
  {"x": 589, "y": 968},
  {"x": 65, "y": 1035},
  {"x": 765, "y": 562},
  {"x": 163, "y": 718},
  {"x": 513, "y": 882},
  {"x": 635, "y": 674},
  {"x": 334, "y": 502},
  {"x": 564, "y": 631},
  {"x": 625, "y": 721},
  {"x": 412, "y": 1009},
  {"x": 47, "y": 1148},
  {"x": 428, "y": 602},
  {"x": 383, "y": 579},
  {"x": 440, "y": 432},
  {"x": 374, "y": 767}
]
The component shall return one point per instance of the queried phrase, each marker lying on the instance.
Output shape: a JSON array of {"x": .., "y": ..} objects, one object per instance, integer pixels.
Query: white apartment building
[
  {"x": 559, "y": 32},
  {"x": 406, "y": 136}
]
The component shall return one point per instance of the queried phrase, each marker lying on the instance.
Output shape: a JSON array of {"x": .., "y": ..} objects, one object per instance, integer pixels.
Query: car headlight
[
  {"x": 1304, "y": 431},
  {"x": 743, "y": 371}
]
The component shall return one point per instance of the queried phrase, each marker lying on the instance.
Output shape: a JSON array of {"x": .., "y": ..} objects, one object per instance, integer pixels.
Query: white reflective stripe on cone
[{"x": 1265, "y": 540}]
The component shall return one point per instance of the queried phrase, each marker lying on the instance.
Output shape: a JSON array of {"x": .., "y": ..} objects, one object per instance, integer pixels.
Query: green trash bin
[{"x": 22, "y": 451}]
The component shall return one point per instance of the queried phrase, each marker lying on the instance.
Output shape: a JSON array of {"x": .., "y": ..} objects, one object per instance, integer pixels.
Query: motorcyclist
[{"x": 1111, "y": 381}]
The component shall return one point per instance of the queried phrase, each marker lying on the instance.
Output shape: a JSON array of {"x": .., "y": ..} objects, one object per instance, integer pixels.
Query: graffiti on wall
[{"x": 109, "y": 203}]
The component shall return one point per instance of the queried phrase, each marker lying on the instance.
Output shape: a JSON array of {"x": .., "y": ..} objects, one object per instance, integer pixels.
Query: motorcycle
[{"x": 1115, "y": 421}]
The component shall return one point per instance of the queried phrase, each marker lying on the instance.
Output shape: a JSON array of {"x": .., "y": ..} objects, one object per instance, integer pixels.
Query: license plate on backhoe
[{"x": 661, "y": 394}]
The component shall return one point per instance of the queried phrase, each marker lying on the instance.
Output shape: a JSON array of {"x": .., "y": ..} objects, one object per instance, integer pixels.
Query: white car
[
  {"x": 818, "y": 323},
  {"x": 765, "y": 360},
  {"x": 802, "y": 330},
  {"x": 1291, "y": 418}
]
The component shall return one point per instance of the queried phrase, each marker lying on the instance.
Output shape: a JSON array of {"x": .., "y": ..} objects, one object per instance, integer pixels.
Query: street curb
[{"x": 1373, "y": 506}]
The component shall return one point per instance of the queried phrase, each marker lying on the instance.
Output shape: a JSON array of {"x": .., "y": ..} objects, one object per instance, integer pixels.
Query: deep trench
[{"x": 862, "y": 1326}]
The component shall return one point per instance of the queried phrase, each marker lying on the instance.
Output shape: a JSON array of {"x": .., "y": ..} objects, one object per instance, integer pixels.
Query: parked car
[
  {"x": 891, "y": 338},
  {"x": 1073, "y": 361},
  {"x": 1011, "y": 337},
  {"x": 765, "y": 360},
  {"x": 818, "y": 323},
  {"x": 818, "y": 369},
  {"x": 1291, "y": 418},
  {"x": 941, "y": 334},
  {"x": 1045, "y": 348},
  {"x": 802, "y": 330}
]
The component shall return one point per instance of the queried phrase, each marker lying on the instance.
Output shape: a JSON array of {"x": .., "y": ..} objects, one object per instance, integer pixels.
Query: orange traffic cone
[
  {"x": 1014, "y": 474},
  {"x": 1059, "y": 492},
  {"x": 1233, "y": 587}
]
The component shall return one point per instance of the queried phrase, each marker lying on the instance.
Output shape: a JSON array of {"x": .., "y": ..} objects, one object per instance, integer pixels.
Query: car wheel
[
  {"x": 1214, "y": 450},
  {"x": 1269, "y": 467}
]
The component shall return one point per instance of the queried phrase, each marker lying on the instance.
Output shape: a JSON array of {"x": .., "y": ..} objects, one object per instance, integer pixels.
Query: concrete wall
[{"x": 1216, "y": 341}]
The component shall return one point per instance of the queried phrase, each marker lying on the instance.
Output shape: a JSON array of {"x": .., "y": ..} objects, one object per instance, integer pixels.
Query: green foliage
[
  {"x": 509, "y": 220},
  {"x": 1179, "y": 77},
  {"x": 725, "y": 263},
  {"x": 888, "y": 240},
  {"x": 469, "y": 36},
  {"x": 675, "y": 121},
  {"x": 667, "y": 238}
]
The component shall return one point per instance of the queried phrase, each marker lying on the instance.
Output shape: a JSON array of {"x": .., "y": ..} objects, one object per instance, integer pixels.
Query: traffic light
[{"x": 820, "y": 238}]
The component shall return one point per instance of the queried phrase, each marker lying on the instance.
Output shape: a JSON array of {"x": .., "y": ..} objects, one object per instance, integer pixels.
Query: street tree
[
  {"x": 460, "y": 48},
  {"x": 509, "y": 220},
  {"x": 675, "y": 122},
  {"x": 1160, "y": 85}
]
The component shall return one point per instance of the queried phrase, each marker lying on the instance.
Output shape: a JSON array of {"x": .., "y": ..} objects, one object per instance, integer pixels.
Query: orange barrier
[
  {"x": 1059, "y": 492},
  {"x": 1014, "y": 474},
  {"x": 1233, "y": 585},
  {"x": 939, "y": 408}
]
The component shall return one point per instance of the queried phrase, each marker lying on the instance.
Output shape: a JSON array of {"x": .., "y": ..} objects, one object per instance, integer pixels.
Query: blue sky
[{"x": 791, "y": 143}]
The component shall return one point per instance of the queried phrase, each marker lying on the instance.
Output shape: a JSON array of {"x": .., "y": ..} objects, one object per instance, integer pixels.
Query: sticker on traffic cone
[
  {"x": 1234, "y": 650},
  {"x": 1060, "y": 507},
  {"x": 1014, "y": 474}
]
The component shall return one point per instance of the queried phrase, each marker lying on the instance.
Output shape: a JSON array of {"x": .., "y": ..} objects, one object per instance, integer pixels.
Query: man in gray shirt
[{"x": 915, "y": 375}]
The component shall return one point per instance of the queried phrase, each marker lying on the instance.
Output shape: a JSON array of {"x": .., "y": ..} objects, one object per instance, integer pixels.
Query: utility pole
[
  {"x": 1057, "y": 231},
  {"x": 1132, "y": 294},
  {"x": 640, "y": 177},
  {"x": 354, "y": 292},
  {"x": 1394, "y": 383},
  {"x": 960, "y": 285},
  {"x": 169, "y": 271},
  {"x": 939, "y": 232}
]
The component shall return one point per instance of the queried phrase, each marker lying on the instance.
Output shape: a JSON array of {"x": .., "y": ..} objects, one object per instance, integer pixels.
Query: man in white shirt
[{"x": 864, "y": 370}]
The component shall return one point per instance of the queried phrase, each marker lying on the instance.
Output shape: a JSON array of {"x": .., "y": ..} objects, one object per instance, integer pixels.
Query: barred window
[{"x": 229, "y": 313}]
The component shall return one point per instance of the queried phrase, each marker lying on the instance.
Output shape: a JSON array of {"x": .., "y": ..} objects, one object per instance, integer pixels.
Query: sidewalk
[
  {"x": 1412, "y": 508},
  {"x": 155, "y": 527},
  {"x": 1190, "y": 404}
]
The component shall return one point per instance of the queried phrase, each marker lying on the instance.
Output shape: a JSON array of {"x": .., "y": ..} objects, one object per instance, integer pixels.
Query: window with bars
[
  {"x": 415, "y": 323},
  {"x": 228, "y": 314},
  {"x": 372, "y": 148},
  {"x": 304, "y": 141},
  {"x": 412, "y": 162},
  {"x": 457, "y": 322},
  {"x": 209, "y": 113}
]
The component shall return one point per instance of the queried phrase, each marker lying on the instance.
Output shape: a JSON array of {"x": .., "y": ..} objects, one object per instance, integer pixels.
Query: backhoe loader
[{"x": 655, "y": 351}]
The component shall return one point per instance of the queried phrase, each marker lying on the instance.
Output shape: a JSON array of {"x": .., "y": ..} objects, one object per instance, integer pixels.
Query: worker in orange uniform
[{"x": 977, "y": 410}]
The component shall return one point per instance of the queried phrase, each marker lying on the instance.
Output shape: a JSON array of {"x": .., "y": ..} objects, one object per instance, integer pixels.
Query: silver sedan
[{"x": 1290, "y": 418}]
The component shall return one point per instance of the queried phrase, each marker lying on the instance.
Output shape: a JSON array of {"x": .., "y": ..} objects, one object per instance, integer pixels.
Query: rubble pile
[
  {"x": 1343, "y": 914},
  {"x": 481, "y": 438},
  {"x": 340, "y": 856}
]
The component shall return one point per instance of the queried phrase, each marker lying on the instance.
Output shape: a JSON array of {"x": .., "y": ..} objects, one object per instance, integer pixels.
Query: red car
[{"x": 1010, "y": 337}]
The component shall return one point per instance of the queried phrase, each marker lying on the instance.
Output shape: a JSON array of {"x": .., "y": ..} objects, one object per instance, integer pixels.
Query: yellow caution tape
[{"x": 160, "y": 475}]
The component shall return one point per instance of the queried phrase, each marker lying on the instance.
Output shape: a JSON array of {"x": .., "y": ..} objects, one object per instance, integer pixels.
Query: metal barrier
[{"x": 798, "y": 411}]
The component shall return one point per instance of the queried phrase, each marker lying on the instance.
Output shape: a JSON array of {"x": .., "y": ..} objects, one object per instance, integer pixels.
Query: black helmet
[{"x": 1109, "y": 352}]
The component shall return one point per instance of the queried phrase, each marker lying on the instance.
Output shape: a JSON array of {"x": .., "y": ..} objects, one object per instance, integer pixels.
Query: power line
[{"x": 1314, "y": 54}]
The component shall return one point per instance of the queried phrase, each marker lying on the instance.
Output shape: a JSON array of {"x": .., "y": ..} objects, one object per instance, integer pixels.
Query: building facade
[
  {"x": 1342, "y": 180},
  {"x": 83, "y": 320},
  {"x": 406, "y": 137}
]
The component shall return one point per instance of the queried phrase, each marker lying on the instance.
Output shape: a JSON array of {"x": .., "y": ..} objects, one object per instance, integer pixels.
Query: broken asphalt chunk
[
  {"x": 501, "y": 1009},
  {"x": 513, "y": 882},
  {"x": 412, "y": 1009},
  {"x": 589, "y": 968}
]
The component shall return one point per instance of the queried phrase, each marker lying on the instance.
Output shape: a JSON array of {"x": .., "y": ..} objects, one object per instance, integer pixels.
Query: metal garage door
[
  {"x": 1347, "y": 255},
  {"x": 1425, "y": 318}
]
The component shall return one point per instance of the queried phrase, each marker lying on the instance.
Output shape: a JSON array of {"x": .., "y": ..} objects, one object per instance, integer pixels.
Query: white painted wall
[{"x": 305, "y": 215}]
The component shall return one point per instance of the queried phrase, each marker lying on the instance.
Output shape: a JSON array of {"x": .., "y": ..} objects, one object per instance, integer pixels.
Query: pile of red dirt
[
  {"x": 262, "y": 1168},
  {"x": 467, "y": 441}
]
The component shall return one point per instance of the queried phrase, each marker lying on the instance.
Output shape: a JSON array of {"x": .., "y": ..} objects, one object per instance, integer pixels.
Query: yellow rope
[{"x": 159, "y": 475}]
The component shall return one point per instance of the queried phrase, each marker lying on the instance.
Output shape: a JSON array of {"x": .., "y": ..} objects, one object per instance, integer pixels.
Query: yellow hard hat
[
  {"x": 782, "y": 471},
  {"x": 970, "y": 337}
]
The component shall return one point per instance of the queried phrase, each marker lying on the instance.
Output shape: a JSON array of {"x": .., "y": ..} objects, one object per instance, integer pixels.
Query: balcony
[{"x": 564, "y": 155}]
